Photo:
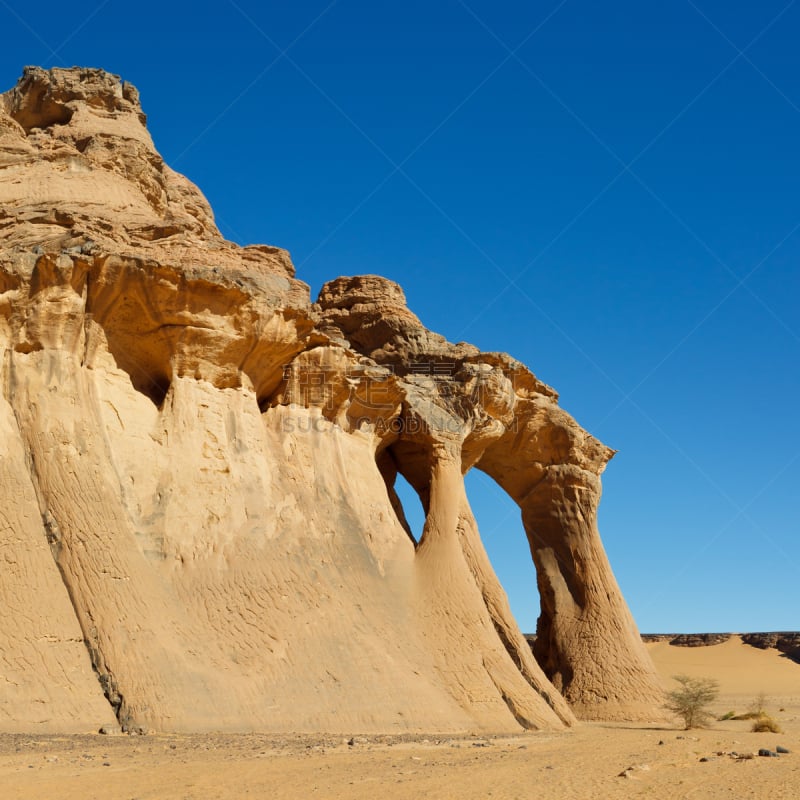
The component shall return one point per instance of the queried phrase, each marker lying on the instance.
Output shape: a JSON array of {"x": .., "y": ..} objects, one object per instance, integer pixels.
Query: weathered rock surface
[{"x": 200, "y": 529}]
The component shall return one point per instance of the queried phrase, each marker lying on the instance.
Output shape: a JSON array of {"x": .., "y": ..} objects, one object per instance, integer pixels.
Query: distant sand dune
[{"x": 739, "y": 668}]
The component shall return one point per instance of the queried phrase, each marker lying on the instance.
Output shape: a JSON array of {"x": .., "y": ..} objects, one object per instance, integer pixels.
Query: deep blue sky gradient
[{"x": 607, "y": 191}]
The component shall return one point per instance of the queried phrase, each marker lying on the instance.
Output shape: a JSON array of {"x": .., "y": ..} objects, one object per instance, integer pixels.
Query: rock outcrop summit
[{"x": 199, "y": 528}]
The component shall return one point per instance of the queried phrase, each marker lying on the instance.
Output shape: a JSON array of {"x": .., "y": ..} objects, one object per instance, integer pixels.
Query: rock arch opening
[
  {"x": 503, "y": 535},
  {"x": 412, "y": 514},
  {"x": 408, "y": 503}
]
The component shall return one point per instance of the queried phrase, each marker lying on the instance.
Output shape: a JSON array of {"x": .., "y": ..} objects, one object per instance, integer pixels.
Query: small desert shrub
[
  {"x": 759, "y": 704},
  {"x": 764, "y": 723},
  {"x": 691, "y": 699},
  {"x": 728, "y": 715},
  {"x": 756, "y": 708}
]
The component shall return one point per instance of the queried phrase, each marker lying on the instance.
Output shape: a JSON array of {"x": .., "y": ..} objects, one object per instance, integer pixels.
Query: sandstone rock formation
[
  {"x": 786, "y": 642},
  {"x": 687, "y": 639},
  {"x": 199, "y": 524}
]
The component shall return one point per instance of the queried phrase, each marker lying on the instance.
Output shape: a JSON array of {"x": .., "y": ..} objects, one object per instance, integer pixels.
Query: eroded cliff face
[{"x": 200, "y": 529}]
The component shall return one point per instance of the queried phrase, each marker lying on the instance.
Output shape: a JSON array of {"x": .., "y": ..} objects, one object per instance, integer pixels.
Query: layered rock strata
[{"x": 200, "y": 529}]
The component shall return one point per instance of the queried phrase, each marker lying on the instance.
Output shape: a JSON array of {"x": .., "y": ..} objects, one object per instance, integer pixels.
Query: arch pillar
[{"x": 586, "y": 640}]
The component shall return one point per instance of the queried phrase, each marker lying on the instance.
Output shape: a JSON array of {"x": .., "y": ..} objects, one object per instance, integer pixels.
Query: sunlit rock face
[{"x": 199, "y": 526}]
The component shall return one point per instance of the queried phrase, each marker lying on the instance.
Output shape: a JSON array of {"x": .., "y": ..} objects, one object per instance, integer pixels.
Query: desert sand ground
[{"x": 584, "y": 763}]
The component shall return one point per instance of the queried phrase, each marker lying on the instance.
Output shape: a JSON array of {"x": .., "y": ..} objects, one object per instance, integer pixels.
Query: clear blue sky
[{"x": 607, "y": 191}]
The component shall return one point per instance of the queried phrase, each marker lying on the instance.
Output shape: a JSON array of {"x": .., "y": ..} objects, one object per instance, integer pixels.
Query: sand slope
[
  {"x": 742, "y": 670},
  {"x": 585, "y": 763}
]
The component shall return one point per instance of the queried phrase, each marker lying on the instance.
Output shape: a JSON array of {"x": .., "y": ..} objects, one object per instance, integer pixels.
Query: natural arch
[
  {"x": 500, "y": 523},
  {"x": 458, "y": 596},
  {"x": 586, "y": 640},
  {"x": 400, "y": 489}
]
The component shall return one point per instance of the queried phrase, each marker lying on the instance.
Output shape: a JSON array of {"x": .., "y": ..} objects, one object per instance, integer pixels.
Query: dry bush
[
  {"x": 691, "y": 699},
  {"x": 759, "y": 704},
  {"x": 764, "y": 723},
  {"x": 757, "y": 708}
]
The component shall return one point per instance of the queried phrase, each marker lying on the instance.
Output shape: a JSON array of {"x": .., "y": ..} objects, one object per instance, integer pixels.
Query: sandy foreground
[{"x": 659, "y": 760}]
